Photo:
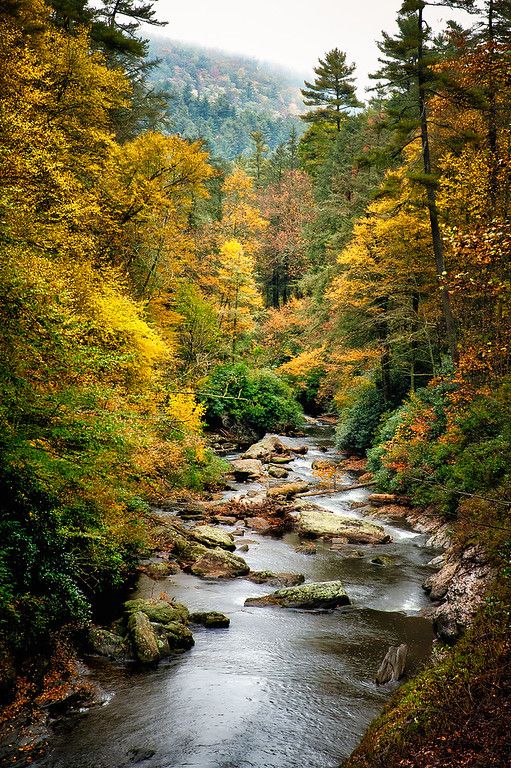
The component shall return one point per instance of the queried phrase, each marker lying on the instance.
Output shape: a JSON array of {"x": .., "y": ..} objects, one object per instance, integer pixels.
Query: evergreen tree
[
  {"x": 332, "y": 94},
  {"x": 411, "y": 76}
]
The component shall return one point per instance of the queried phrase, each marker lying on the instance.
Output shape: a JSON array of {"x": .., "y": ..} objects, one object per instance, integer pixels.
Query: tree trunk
[{"x": 436, "y": 236}]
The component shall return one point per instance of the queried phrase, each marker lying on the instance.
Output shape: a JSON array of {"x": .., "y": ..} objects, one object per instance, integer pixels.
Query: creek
[{"x": 279, "y": 688}]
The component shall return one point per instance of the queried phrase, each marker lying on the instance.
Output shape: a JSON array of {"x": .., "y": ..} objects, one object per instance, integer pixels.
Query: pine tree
[
  {"x": 410, "y": 74},
  {"x": 332, "y": 94}
]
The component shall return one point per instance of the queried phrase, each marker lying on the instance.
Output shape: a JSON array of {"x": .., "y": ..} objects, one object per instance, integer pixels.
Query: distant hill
[{"x": 222, "y": 97}]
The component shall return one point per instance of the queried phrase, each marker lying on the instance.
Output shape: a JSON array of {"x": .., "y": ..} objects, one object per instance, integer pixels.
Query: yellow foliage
[
  {"x": 185, "y": 413},
  {"x": 304, "y": 363}
]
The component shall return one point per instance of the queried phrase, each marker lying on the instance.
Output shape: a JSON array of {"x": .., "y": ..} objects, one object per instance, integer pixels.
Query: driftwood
[
  {"x": 393, "y": 665},
  {"x": 338, "y": 489}
]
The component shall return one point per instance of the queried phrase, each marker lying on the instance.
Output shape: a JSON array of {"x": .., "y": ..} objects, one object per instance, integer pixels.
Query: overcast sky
[{"x": 289, "y": 32}]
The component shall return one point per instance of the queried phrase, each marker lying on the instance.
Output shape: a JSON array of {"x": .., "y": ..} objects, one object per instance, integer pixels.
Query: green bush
[
  {"x": 255, "y": 401},
  {"x": 358, "y": 423}
]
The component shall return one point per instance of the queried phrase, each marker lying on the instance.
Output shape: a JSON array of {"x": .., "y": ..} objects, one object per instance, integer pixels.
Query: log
[
  {"x": 393, "y": 665},
  {"x": 339, "y": 489}
]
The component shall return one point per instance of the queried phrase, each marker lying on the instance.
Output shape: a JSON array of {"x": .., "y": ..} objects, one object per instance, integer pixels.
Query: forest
[
  {"x": 221, "y": 99},
  {"x": 165, "y": 277}
]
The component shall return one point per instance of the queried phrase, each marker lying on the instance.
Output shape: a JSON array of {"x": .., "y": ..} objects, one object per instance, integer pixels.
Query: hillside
[{"x": 222, "y": 97}]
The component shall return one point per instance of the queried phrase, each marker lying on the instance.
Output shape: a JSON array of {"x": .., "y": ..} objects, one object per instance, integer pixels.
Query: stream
[{"x": 278, "y": 688}]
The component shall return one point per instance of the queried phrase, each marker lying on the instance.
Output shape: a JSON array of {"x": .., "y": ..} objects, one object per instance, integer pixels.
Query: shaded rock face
[
  {"x": 315, "y": 522},
  {"x": 210, "y": 619},
  {"x": 213, "y": 537},
  {"x": 276, "y": 579},
  {"x": 105, "y": 643},
  {"x": 461, "y": 585},
  {"x": 219, "y": 564},
  {"x": 327, "y": 594},
  {"x": 247, "y": 469}
]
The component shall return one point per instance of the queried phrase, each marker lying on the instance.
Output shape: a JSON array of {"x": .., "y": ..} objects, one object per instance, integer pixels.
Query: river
[{"x": 279, "y": 688}]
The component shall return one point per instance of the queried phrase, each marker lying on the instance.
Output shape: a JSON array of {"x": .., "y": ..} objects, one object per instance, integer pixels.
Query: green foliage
[
  {"x": 253, "y": 400},
  {"x": 440, "y": 450},
  {"x": 358, "y": 422}
]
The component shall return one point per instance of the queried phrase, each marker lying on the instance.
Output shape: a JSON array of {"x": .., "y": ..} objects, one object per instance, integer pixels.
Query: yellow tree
[{"x": 238, "y": 297}]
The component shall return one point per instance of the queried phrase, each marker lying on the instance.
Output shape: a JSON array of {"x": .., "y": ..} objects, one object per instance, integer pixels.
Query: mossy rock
[
  {"x": 315, "y": 522},
  {"x": 213, "y": 537},
  {"x": 159, "y": 611},
  {"x": 143, "y": 638},
  {"x": 219, "y": 564},
  {"x": 327, "y": 594},
  {"x": 179, "y": 636},
  {"x": 276, "y": 579},
  {"x": 105, "y": 643},
  {"x": 210, "y": 619}
]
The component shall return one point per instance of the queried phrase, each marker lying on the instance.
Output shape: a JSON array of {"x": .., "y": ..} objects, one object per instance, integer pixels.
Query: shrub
[
  {"x": 256, "y": 401},
  {"x": 358, "y": 422}
]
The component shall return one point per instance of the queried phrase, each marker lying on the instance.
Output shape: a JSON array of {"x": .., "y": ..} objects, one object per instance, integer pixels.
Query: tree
[
  {"x": 333, "y": 91},
  {"x": 409, "y": 72},
  {"x": 258, "y": 159},
  {"x": 238, "y": 297}
]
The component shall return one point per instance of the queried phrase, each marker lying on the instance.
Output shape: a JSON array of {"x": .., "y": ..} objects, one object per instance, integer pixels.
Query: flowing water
[{"x": 279, "y": 688}]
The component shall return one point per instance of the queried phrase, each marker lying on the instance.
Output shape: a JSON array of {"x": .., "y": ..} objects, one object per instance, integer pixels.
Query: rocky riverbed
[{"x": 257, "y": 629}]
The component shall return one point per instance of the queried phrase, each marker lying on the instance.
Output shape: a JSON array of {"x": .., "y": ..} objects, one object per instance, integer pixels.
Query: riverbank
[{"x": 278, "y": 684}]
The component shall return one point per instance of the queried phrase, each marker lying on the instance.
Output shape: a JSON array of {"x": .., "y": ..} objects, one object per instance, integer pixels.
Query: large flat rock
[
  {"x": 315, "y": 522},
  {"x": 327, "y": 594}
]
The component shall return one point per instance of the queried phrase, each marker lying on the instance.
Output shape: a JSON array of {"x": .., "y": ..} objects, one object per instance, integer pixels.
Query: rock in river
[
  {"x": 210, "y": 619},
  {"x": 144, "y": 638},
  {"x": 213, "y": 537},
  {"x": 246, "y": 469},
  {"x": 327, "y": 594},
  {"x": 276, "y": 579},
  {"x": 315, "y": 522},
  {"x": 160, "y": 611},
  {"x": 219, "y": 564}
]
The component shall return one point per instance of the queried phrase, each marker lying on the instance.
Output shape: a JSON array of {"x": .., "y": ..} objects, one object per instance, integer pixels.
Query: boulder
[
  {"x": 276, "y": 579},
  {"x": 143, "y": 638},
  {"x": 264, "y": 448},
  {"x": 159, "y": 611},
  {"x": 270, "y": 447},
  {"x": 315, "y": 522},
  {"x": 328, "y": 594},
  {"x": 438, "y": 584},
  {"x": 247, "y": 469},
  {"x": 105, "y": 643},
  {"x": 288, "y": 490},
  {"x": 158, "y": 569},
  {"x": 213, "y": 537},
  {"x": 219, "y": 564},
  {"x": 243, "y": 548},
  {"x": 210, "y": 619},
  {"x": 178, "y": 636},
  {"x": 278, "y": 472}
]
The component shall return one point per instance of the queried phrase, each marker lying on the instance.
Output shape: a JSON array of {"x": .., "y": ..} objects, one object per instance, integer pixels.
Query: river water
[{"x": 279, "y": 688}]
